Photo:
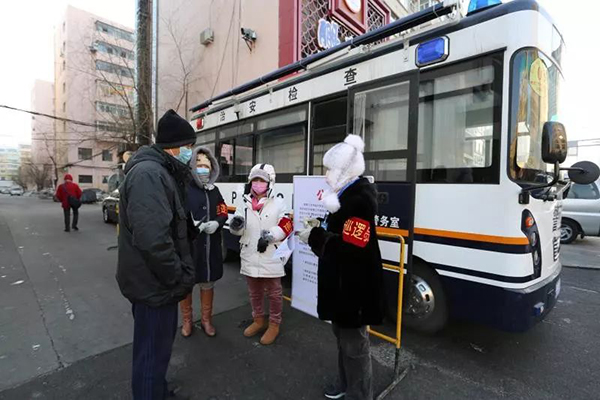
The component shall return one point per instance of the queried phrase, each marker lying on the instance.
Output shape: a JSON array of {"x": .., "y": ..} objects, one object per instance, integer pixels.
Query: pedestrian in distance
[
  {"x": 350, "y": 288},
  {"x": 209, "y": 213},
  {"x": 69, "y": 195},
  {"x": 155, "y": 268},
  {"x": 262, "y": 223}
]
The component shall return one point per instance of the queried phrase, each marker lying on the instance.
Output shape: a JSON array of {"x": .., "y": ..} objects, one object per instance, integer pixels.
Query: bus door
[{"x": 385, "y": 114}]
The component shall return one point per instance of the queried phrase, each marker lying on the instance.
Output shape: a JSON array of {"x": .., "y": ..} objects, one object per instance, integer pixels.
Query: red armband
[
  {"x": 222, "y": 210},
  {"x": 356, "y": 231},
  {"x": 286, "y": 225}
]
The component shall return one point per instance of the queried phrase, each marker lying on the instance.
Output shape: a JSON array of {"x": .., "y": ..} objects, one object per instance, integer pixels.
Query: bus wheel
[{"x": 425, "y": 305}]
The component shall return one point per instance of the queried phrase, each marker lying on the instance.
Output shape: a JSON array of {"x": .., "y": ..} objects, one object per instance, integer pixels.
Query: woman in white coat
[{"x": 262, "y": 224}]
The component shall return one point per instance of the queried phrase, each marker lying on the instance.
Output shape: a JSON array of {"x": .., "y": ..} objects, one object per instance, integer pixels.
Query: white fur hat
[
  {"x": 266, "y": 172},
  {"x": 345, "y": 161}
]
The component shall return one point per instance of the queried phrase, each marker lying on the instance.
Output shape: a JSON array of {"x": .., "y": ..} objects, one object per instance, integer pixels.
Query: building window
[
  {"x": 86, "y": 179},
  {"x": 104, "y": 179},
  {"x": 113, "y": 49},
  {"x": 114, "y": 31},
  {"x": 114, "y": 109},
  {"x": 107, "y": 155},
  {"x": 113, "y": 68},
  {"x": 64, "y": 87},
  {"x": 84, "y": 153},
  {"x": 64, "y": 107},
  {"x": 64, "y": 47},
  {"x": 64, "y": 24},
  {"x": 64, "y": 65}
]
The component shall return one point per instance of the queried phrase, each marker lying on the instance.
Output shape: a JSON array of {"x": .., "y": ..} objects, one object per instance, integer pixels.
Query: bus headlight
[{"x": 530, "y": 229}]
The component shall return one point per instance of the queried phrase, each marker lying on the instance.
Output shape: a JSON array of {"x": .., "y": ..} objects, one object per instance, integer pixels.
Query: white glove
[
  {"x": 304, "y": 234},
  {"x": 209, "y": 227},
  {"x": 267, "y": 235},
  {"x": 311, "y": 223}
]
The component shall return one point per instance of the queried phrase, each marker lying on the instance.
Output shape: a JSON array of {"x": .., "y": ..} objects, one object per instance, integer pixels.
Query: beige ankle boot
[
  {"x": 270, "y": 335},
  {"x": 256, "y": 327}
]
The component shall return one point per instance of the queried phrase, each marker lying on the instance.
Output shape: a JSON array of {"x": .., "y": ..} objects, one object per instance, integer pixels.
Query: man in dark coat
[
  {"x": 69, "y": 195},
  {"x": 350, "y": 289},
  {"x": 208, "y": 213},
  {"x": 155, "y": 268}
]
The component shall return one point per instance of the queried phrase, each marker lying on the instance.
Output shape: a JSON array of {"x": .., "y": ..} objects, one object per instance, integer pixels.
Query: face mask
[
  {"x": 259, "y": 187},
  {"x": 185, "y": 155},
  {"x": 203, "y": 174}
]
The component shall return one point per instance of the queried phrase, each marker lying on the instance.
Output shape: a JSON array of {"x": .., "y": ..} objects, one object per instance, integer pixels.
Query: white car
[
  {"x": 16, "y": 191},
  {"x": 581, "y": 212}
]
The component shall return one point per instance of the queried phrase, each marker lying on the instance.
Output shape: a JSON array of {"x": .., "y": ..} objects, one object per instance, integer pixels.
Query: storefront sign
[
  {"x": 307, "y": 191},
  {"x": 328, "y": 34}
]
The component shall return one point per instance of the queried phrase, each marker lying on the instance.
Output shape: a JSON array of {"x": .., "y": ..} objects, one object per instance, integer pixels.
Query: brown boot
[
  {"x": 206, "y": 301},
  {"x": 270, "y": 335},
  {"x": 186, "y": 313},
  {"x": 256, "y": 327}
]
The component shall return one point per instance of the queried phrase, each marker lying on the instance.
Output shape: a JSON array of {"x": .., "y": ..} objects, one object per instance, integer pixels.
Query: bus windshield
[{"x": 534, "y": 100}]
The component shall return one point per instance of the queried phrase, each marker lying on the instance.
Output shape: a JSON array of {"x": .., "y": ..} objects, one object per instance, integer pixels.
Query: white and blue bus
[{"x": 459, "y": 125}]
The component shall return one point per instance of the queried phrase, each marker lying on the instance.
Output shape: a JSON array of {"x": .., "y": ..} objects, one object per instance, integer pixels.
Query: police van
[{"x": 460, "y": 117}]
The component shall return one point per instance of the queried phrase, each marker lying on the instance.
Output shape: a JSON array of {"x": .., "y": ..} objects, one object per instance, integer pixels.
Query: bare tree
[
  {"x": 21, "y": 178},
  {"x": 39, "y": 175}
]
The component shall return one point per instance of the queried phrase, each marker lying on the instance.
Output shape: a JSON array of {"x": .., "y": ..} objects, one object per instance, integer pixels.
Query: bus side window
[
  {"x": 225, "y": 159},
  {"x": 328, "y": 128}
]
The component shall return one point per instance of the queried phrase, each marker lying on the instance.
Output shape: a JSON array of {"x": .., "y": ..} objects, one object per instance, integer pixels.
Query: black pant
[
  {"x": 354, "y": 362},
  {"x": 153, "y": 335},
  {"x": 67, "y": 212}
]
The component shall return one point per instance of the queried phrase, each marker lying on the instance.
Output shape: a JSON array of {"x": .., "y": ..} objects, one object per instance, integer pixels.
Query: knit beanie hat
[
  {"x": 174, "y": 131},
  {"x": 344, "y": 162},
  {"x": 266, "y": 172}
]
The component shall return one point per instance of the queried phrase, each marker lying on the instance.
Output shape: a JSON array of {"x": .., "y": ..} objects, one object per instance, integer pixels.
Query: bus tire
[{"x": 425, "y": 306}]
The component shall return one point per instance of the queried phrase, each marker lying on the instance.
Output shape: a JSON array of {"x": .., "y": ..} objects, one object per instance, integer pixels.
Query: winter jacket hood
[{"x": 214, "y": 167}]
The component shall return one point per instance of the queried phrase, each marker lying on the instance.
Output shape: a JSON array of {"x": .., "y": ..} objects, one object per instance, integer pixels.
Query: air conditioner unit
[{"x": 207, "y": 36}]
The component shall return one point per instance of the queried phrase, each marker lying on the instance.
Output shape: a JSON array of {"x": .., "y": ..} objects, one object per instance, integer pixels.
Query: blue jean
[{"x": 153, "y": 335}]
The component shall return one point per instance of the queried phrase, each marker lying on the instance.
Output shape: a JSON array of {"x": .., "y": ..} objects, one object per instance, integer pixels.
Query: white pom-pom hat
[{"x": 344, "y": 162}]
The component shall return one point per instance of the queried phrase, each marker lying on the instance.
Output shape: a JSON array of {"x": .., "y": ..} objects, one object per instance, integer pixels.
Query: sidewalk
[{"x": 230, "y": 366}]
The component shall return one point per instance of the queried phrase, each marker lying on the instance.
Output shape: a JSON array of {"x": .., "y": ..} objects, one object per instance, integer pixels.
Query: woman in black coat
[
  {"x": 209, "y": 213},
  {"x": 350, "y": 288}
]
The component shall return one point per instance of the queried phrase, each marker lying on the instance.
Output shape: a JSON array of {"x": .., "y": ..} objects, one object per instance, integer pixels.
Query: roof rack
[{"x": 398, "y": 26}]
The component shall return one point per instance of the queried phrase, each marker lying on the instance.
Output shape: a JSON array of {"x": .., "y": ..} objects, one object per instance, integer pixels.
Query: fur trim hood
[{"x": 214, "y": 167}]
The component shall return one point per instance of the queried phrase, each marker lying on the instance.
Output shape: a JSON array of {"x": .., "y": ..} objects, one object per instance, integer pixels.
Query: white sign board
[{"x": 307, "y": 191}]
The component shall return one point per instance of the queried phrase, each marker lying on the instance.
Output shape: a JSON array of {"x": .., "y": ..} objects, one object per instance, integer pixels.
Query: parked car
[
  {"x": 110, "y": 209},
  {"x": 89, "y": 196},
  {"x": 581, "y": 212},
  {"x": 5, "y": 191},
  {"x": 16, "y": 191},
  {"x": 46, "y": 194}
]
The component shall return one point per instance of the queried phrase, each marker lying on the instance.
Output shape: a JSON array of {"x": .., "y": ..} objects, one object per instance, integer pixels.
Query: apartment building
[
  {"x": 93, "y": 89},
  {"x": 42, "y": 128},
  {"x": 10, "y": 161}
]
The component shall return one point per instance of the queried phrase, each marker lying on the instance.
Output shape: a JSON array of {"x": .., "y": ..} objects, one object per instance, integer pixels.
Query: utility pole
[{"x": 143, "y": 71}]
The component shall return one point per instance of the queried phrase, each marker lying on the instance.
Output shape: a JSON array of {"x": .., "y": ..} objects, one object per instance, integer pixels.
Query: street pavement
[
  {"x": 582, "y": 253},
  {"x": 559, "y": 358}
]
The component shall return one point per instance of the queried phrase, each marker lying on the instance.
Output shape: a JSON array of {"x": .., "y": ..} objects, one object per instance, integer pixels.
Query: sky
[{"x": 27, "y": 42}]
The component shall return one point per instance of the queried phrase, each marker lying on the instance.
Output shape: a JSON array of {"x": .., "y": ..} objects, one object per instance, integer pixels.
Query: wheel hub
[
  {"x": 421, "y": 302},
  {"x": 565, "y": 232}
]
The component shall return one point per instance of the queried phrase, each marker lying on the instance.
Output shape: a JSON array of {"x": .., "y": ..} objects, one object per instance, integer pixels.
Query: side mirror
[
  {"x": 554, "y": 143},
  {"x": 584, "y": 172}
]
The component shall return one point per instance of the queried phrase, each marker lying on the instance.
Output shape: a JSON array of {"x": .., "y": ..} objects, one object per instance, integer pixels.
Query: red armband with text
[
  {"x": 286, "y": 226},
  {"x": 356, "y": 231},
  {"x": 222, "y": 210}
]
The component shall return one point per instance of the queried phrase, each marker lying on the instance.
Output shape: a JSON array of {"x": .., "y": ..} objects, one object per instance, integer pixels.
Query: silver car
[{"x": 581, "y": 212}]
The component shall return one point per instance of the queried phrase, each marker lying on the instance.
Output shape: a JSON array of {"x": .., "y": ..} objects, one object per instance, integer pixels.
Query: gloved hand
[
  {"x": 267, "y": 235},
  {"x": 262, "y": 245},
  {"x": 209, "y": 227},
  {"x": 304, "y": 234},
  {"x": 312, "y": 223},
  {"x": 237, "y": 223}
]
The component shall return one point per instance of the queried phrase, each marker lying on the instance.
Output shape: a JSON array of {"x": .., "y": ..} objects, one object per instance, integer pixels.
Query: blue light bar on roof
[
  {"x": 433, "y": 51},
  {"x": 478, "y": 5}
]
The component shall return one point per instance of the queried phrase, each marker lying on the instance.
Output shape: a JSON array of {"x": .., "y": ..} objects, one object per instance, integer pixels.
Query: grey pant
[{"x": 354, "y": 362}]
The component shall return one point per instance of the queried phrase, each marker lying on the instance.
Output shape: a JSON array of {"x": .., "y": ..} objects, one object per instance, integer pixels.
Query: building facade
[
  {"x": 10, "y": 161},
  {"x": 42, "y": 128},
  {"x": 205, "y": 47},
  {"x": 94, "y": 92}
]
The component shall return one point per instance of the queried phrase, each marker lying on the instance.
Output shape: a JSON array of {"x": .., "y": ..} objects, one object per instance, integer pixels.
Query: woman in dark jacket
[
  {"x": 209, "y": 213},
  {"x": 350, "y": 290}
]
